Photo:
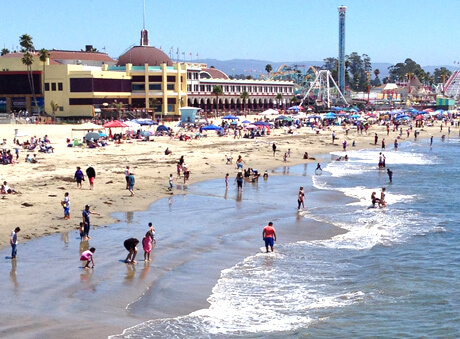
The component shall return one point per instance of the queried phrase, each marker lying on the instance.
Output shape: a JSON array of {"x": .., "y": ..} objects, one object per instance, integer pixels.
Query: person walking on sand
[
  {"x": 14, "y": 242},
  {"x": 130, "y": 245},
  {"x": 86, "y": 221},
  {"x": 88, "y": 257},
  {"x": 131, "y": 182},
  {"x": 79, "y": 177},
  {"x": 226, "y": 180},
  {"x": 333, "y": 137},
  {"x": 274, "y": 149},
  {"x": 127, "y": 176},
  {"x": 269, "y": 236},
  {"x": 376, "y": 138},
  {"x": 300, "y": 198},
  {"x": 66, "y": 205},
  {"x": 344, "y": 145},
  {"x": 91, "y": 174},
  {"x": 147, "y": 246}
]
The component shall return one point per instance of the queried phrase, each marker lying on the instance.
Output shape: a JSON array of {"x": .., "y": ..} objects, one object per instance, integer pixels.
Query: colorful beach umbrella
[{"x": 114, "y": 124}]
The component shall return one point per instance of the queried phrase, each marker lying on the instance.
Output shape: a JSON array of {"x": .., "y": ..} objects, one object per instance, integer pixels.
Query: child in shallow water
[
  {"x": 147, "y": 245},
  {"x": 88, "y": 257}
]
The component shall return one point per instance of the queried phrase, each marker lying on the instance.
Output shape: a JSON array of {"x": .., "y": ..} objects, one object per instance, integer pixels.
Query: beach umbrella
[
  {"x": 132, "y": 124},
  {"x": 295, "y": 108},
  {"x": 211, "y": 128},
  {"x": 114, "y": 124},
  {"x": 337, "y": 108},
  {"x": 231, "y": 117},
  {"x": 355, "y": 116},
  {"x": 270, "y": 111},
  {"x": 251, "y": 127},
  {"x": 314, "y": 117},
  {"x": 330, "y": 115},
  {"x": 234, "y": 123},
  {"x": 246, "y": 122},
  {"x": 419, "y": 117},
  {"x": 93, "y": 135},
  {"x": 146, "y": 133},
  {"x": 102, "y": 134},
  {"x": 281, "y": 117}
]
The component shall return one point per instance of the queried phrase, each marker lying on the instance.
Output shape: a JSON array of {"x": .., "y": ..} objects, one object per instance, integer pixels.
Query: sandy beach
[{"x": 37, "y": 210}]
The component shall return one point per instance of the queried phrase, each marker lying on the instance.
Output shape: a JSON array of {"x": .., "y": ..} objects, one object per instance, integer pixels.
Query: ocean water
[{"x": 394, "y": 273}]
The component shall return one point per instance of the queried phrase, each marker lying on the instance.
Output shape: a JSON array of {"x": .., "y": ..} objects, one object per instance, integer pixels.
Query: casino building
[{"x": 144, "y": 79}]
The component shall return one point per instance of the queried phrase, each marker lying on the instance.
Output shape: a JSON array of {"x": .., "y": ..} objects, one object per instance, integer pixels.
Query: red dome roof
[{"x": 141, "y": 55}]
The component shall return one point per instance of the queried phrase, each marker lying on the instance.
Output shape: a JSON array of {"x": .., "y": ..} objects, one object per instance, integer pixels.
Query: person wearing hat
[{"x": 86, "y": 221}]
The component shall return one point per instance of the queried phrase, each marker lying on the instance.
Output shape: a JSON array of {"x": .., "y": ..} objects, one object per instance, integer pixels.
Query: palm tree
[
  {"x": 268, "y": 68},
  {"x": 279, "y": 97},
  {"x": 54, "y": 108},
  {"x": 43, "y": 55},
  {"x": 5, "y": 51},
  {"x": 245, "y": 97},
  {"x": 27, "y": 45},
  {"x": 153, "y": 103},
  {"x": 217, "y": 90},
  {"x": 118, "y": 107}
]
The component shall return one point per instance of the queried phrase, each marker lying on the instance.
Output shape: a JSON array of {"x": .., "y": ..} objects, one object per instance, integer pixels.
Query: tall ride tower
[{"x": 342, "y": 11}]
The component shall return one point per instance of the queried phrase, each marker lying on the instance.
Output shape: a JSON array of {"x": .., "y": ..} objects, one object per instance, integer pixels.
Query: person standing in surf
[
  {"x": 269, "y": 236},
  {"x": 382, "y": 202},
  {"x": 300, "y": 198}
]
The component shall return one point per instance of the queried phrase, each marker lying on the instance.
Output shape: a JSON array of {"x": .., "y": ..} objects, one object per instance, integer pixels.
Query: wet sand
[{"x": 198, "y": 235}]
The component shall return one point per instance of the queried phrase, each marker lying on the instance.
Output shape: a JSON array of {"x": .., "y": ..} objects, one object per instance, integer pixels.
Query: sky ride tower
[{"x": 341, "y": 61}]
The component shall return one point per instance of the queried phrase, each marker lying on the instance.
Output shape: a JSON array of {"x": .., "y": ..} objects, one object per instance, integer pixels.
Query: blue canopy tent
[
  {"x": 337, "y": 108},
  {"x": 261, "y": 123},
  {"x": 294, "y": 108},
  {"x": 355, "y": 116},
  {"x": 329, "y": 115},
  {"x": 281, "y": 117},
  {"x": 231, "y": 117},
  {"x": 211, "y": 128}
]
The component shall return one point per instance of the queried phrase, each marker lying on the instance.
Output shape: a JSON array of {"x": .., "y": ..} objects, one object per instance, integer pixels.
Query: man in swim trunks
[{"x": 269, "y": 235}]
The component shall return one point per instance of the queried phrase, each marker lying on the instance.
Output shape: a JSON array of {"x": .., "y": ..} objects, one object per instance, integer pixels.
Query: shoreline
[{"x": 42, "y": 185}]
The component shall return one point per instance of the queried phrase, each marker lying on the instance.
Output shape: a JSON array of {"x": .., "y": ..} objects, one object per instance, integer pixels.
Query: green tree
[
  {"x": 5, "y": 51},
  {"x": 154, "y": 103},
  {"x": 249, "y": 77},
  {"x": 43, "y": 55},
  {"x": 54, "y": 108},
  {"x": 28, "y": 48},
  {"x": 217, "y": 91},
  {"x": 398, "y": 71},
  {"x": 442, "y": 74},
  {"x": 118, "y": 106},
  {"x": 279, "y": 97},
  {"x": 268, "y": 68},
  {"x": 245, "y": 97}
]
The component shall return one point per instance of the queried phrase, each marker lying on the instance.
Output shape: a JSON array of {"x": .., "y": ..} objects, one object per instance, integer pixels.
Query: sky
[{"x": 277, "y": 31}]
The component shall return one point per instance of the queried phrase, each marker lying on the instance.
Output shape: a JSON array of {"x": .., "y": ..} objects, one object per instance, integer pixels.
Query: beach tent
[
  {"x": 270, "y": 111},
  {"x": 231, "y": 117},
  {"x": 162, "y": 128},
  {"x": 114, "y": 124},
  {"x": 211, "y": 128}
]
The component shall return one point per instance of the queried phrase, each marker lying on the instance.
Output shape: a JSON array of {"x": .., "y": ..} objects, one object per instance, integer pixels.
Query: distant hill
[{"x": 255, "y": 67}]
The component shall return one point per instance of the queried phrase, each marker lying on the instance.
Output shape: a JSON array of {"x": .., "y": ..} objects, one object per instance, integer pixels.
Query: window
[
  {"x": 53, "y": 86},
  {"x": 47, "y": 86},
  {"x": 189, "y": 88},
  {"x": 138, "y": 87},
  {"x": 155, "y": 87},
  {"x": 202, "y": 88},
  {"x": 170, "y": 87},
  {"x": 61, "y": 108},
  {"x": 195, "y": 88},
  {"x": 60, "y": 87}
]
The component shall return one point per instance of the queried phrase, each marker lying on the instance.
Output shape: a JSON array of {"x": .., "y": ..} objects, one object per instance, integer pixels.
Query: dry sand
[{"x": 37, "y": 209}]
